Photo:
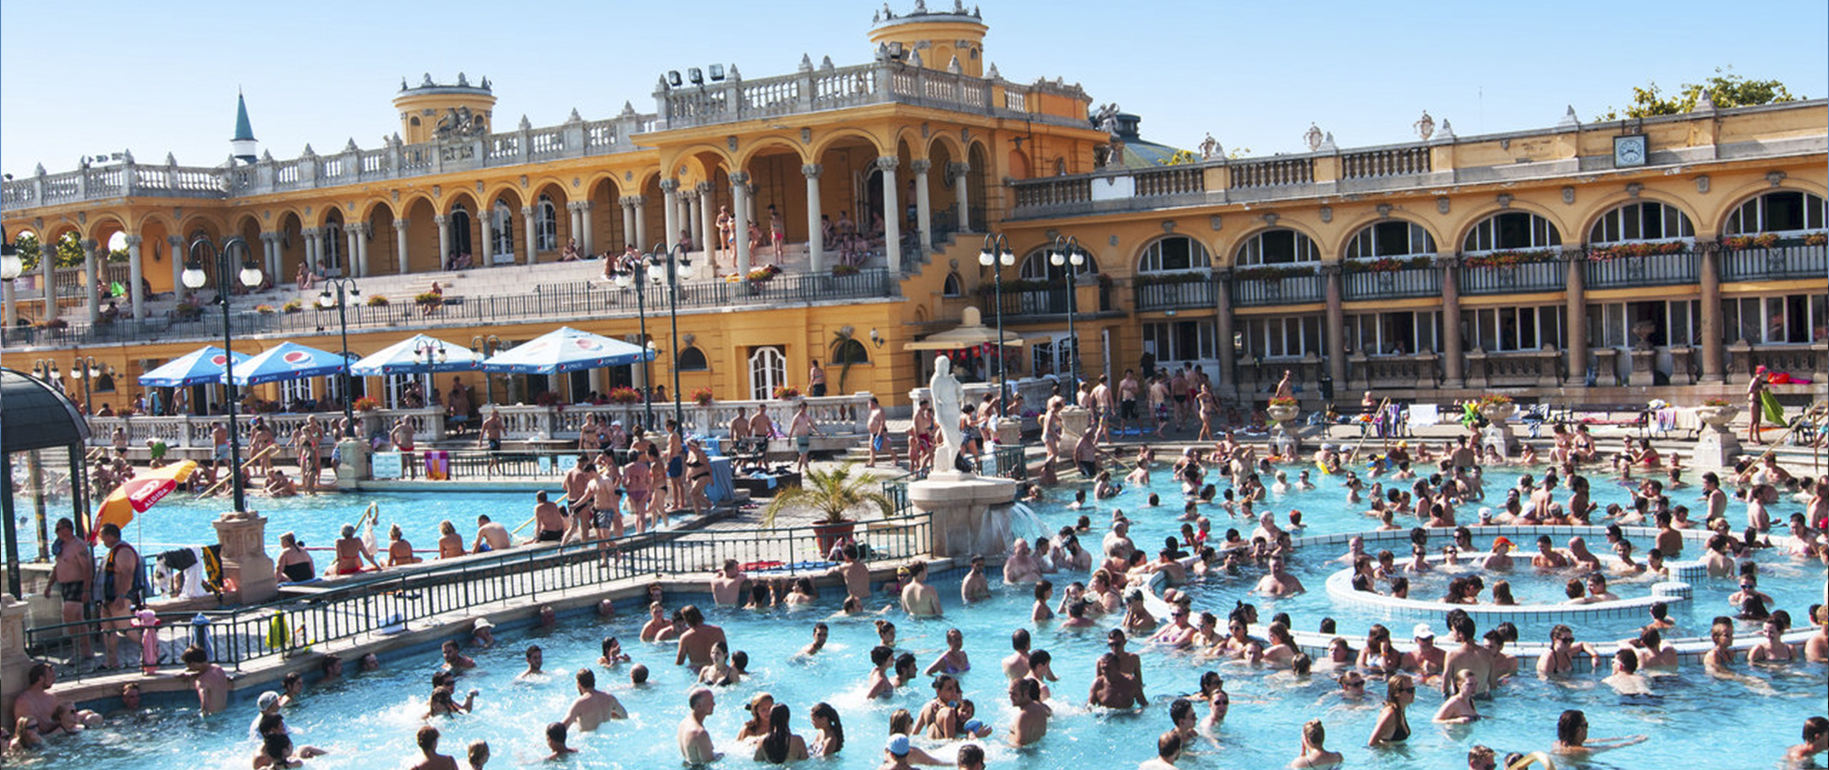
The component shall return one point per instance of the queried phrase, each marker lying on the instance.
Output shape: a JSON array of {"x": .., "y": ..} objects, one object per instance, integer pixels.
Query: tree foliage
[
  {"x": 69, "y": 251},
  {"x": 1724, "y": 88}
]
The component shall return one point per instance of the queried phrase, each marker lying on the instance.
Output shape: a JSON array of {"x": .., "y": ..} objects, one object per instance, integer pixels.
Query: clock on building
[{"x": 1629, "y": 150}]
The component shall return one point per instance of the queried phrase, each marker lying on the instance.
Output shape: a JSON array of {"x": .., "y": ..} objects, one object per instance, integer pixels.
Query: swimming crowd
[{"x": 1123, "y": 587}]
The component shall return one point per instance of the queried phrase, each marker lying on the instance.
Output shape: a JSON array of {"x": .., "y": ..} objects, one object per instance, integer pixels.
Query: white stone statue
[{"x": 948, "y": 397}]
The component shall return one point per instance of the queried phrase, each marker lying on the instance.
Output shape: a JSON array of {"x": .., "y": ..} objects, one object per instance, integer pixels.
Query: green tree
[
  {"x": 69, "y": 251},
  {"x": 831, "y": 494},
  {"x": 1724, "y": 88}
]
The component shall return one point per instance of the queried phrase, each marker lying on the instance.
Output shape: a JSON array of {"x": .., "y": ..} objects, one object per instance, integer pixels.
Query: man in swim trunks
[
  {"x": 549, "y": 521},
  {"x": 490, "y": 435},
  {"x": 1127, "y": 400},
  {"x": 921, "y": 437},
  {"x": 577, "y": 484},
  {"x": 803, "y": 430},
  {"x": 72, "y": 574},
  {"x": 490, "y": 536},
  {"x": 877, "y": 424},
  {"x": 605, "y": 501},
  {"x": 816, "y": 380},
  {"x": 219, "y": 451},
  {"x": 121, "y": 591},
  {"x": 918, "y": 598}
]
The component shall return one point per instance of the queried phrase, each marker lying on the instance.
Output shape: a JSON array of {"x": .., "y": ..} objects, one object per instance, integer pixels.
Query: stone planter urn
[
  {"x": 1717, "y": 417},
  {"x": 1498, "y": 413},
  {"x": 1283, "y": 413}
]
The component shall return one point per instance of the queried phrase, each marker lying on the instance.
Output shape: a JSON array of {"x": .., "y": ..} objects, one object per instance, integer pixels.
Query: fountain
[{"x": 971, "y": 513}]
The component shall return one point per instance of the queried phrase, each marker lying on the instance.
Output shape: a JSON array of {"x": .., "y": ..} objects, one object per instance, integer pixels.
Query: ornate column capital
[
  {"x": 921, "y": 166},
  {"x": 703, "y": 188},
  {"x": 438, "y": 219},
  {"x": 634, "y": 200},
  {"x": 176, "y": 242},
  {"x": 739, "y": 177},
  {"x": 958, "y": 169},
  {"x": 1450, "y": 261},
  {"x": 132, "y": 240},
  {"x": 1708, "y": 248},
  {"x": 812, "y": 170},
  {"x": 402, "y": 223},
  {"x": 90, "y": 244},
  {"x": 669, "y": 185},
  {"x": 527, "y": 211},
  {"x": 1330, "y": 269},
  {"x": 888, "y": 163},
  {"x": 585, "y": 205}
]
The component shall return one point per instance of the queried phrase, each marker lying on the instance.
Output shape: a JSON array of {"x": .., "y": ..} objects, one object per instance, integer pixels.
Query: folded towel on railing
[{"x": 1667, "y": 419}]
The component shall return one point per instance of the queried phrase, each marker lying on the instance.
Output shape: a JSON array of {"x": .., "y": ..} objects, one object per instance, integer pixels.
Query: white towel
[{"x": 1424, "y": 415}]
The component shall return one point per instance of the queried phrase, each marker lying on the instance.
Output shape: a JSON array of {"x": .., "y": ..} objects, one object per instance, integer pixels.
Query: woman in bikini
[
  {"x": 294, "y": 564},
  {"x": 399, "y": 551},
  {"x": 637, "y": 480},
  {"x": 657, "y": 483},
  {"x": 450, "y": 544},
  {"x": 698, "y": 476},
  {"x": 719, "y": 673},
  {"x": 1393, "y": 724}
]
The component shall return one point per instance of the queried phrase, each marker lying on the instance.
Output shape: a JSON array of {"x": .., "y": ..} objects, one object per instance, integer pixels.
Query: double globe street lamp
[
  {"x": 1067, "y": 253},
  {"x": 193, "y": 277},
  {"x": 346, "y": 288},
  {"x": 996, "y": 255},
  {"x": 639, "y": 274}
]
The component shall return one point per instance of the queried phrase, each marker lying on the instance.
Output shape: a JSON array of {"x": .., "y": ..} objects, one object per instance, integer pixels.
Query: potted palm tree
[{"x": 831, "y": 494}]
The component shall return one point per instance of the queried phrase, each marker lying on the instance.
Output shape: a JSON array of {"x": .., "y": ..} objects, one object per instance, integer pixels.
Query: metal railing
[
  {"x": 1288, "y": 290},
  {"x": 522, "y": 575},
  {"x": 1679, "y": 269},
  {"x": 1801, "y": 261},
  {"x": 1393, "y": 284},
  {"x": 1528, "y": 276},
  {"x": 554, "y": 302},
  {"x": 1175, "y": 296}
]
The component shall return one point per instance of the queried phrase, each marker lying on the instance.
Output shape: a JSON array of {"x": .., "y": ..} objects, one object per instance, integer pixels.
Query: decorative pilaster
[
  {"x": 923, "y": 216},
  {"x": 739, "y": 197},
  {"x": 892, "y": 218},
  {"x": 135, "y": 272},
  {"x": 1454, "y": 362},
  {"x": 1713, "y": 368},
  {"x": 816, "y": 242}
]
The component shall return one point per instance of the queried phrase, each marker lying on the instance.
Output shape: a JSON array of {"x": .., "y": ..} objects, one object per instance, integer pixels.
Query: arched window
[
  {"x": 952, "y": 287},
  {"x": 1641, "y": 221},
  {"x": 331, "y": 242},
  {"x": 693, "y": 360},
  {"x": 1390, "y": 238},
  {"x": 1036, "y": 266},
  {"x": 1512, "y": 230},
  {"x": 851, "y": 352},
  {"x": 546, "y": 225},
  {"x": 502, "y": 220},
  {"x": 767, "y": 371},
  {"x": 1783, "y": 211},
  {"x": 1173, "y": 254},
  {"x": 1279, "y": 246},
  {"x": 459, "y": 225}
]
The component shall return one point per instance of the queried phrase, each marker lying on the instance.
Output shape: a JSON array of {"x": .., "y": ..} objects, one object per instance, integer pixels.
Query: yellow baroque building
[{"x": 1580, "y": 263}]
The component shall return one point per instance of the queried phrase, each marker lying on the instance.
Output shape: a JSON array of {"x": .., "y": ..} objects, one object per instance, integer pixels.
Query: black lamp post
[
  {"x": 636, "y": 277},
  {"x": 996, "y": 255},
  {"x": 85, "y": 369},
  {"x": 1067, "y": 253},
  {"x": 346, "y": 288},
  {"x": 678, "y": 266},
  {"x": 250, "y": 277}
]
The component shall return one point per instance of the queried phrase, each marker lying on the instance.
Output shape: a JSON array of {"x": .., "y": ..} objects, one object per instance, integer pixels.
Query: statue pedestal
[
  {"x": 14, "y": 663},
  {"x": 1498, "y": 436},
  {"x": 245, "y": 564},
  {"x": 1717, "y": 448},
  {"x": 1009, "y": 431},
  {"x": 971, "y": 514},
  {"x": 353, "y": 465}
]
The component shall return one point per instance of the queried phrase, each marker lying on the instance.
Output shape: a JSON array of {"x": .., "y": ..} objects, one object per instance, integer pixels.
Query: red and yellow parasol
[{"x": 140, "y": 493}]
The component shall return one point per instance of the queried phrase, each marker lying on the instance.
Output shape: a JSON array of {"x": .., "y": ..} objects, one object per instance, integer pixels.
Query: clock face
[{"x": 1629, "y": 150}]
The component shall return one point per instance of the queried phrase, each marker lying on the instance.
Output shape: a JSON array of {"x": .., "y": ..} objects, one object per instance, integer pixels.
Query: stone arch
[
  {"x": 369, "y": 208},
  {"x": 102, "y": 227},
  {"x": 830, "y": 138},
  {"x": 1357, "y": 225},
  {"x": 290, "y": 225},
  {"x": 154, "y": 219},
  {"x": 1018, "y": 163},
  {"x": 1201, "y": 261},
  {"x": 946, "y": 140},
  {"x": 1517, "y": 206},
  {"x": 1227, "y": 256},
  {"x": 1606, "y": 205},
  {"x": 759, "y": 145},
  {"x": 553, "y": 191},
  {"x": 1740, "y": 194},
  {"x": 190, "y": 225}
]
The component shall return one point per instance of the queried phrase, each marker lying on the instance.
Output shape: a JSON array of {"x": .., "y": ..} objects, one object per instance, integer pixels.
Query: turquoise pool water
[{"x": 368, "y": 720}]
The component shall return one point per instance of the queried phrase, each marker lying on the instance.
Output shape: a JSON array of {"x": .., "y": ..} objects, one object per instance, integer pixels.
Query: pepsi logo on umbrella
[
  {"x": 297, "y": 358},
  {"x": 219, "y": 359}
]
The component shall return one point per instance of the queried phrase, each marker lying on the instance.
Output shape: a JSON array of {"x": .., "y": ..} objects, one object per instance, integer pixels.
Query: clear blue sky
[{"x": 80, "y": 77}]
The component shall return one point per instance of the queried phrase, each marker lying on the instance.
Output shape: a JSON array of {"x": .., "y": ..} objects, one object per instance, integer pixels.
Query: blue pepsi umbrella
[
  {"x": 418, "y": 353},
  {"x": 565, "y": 350},
  {"x": 199, "y": 367},
  {"x": 288, "y": 361}
]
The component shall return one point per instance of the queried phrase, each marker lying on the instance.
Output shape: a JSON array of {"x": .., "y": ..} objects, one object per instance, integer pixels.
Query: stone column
[
  {"x": 892, "y": 214},
  {"x": 1335, "y": 333},
  {"x": 444, "y": 240},
  {"x": 924, "y": 218},
  {"x": 707, "y": 224},
  {"x": 695, "y": 211},
  {"x": 47, "y": 275},
  {"x": 816, "y": 246},
  {"x": 1228, "y": 365},
  {"x": 245, "y": 564},
  {"x": 311, "y": 247},
  {"x": 1454, "y": 363},
  {"x": 135, "y": 271},
  {"x": 739, "y": 195},
  {"x": 670, "y": 211},
  {"x": 640, "y": 207},
  {"x": 589, "y": 242},
  {"x": 533, "y": 238},
  {"x": 11, "y": 301},
  {"x": 484, "y": 221},
  {"x": 400, "y": 262},
  {"x": 270, "y": 256},
  {"x": 178, "y": 255},
  {"x": 577, "y": 223},
  {"x": 1577, "y": 327},
  {"x": 352, "y": 266},
  {"x": 1710, "y": 327},
  {"x": 683, "y": 223},
  {"x": 364, "y": 232},
  {"x": 961, "y": 174},
  {"x": 628, "y": 222},
  {"x": 92, "y": 257}
]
